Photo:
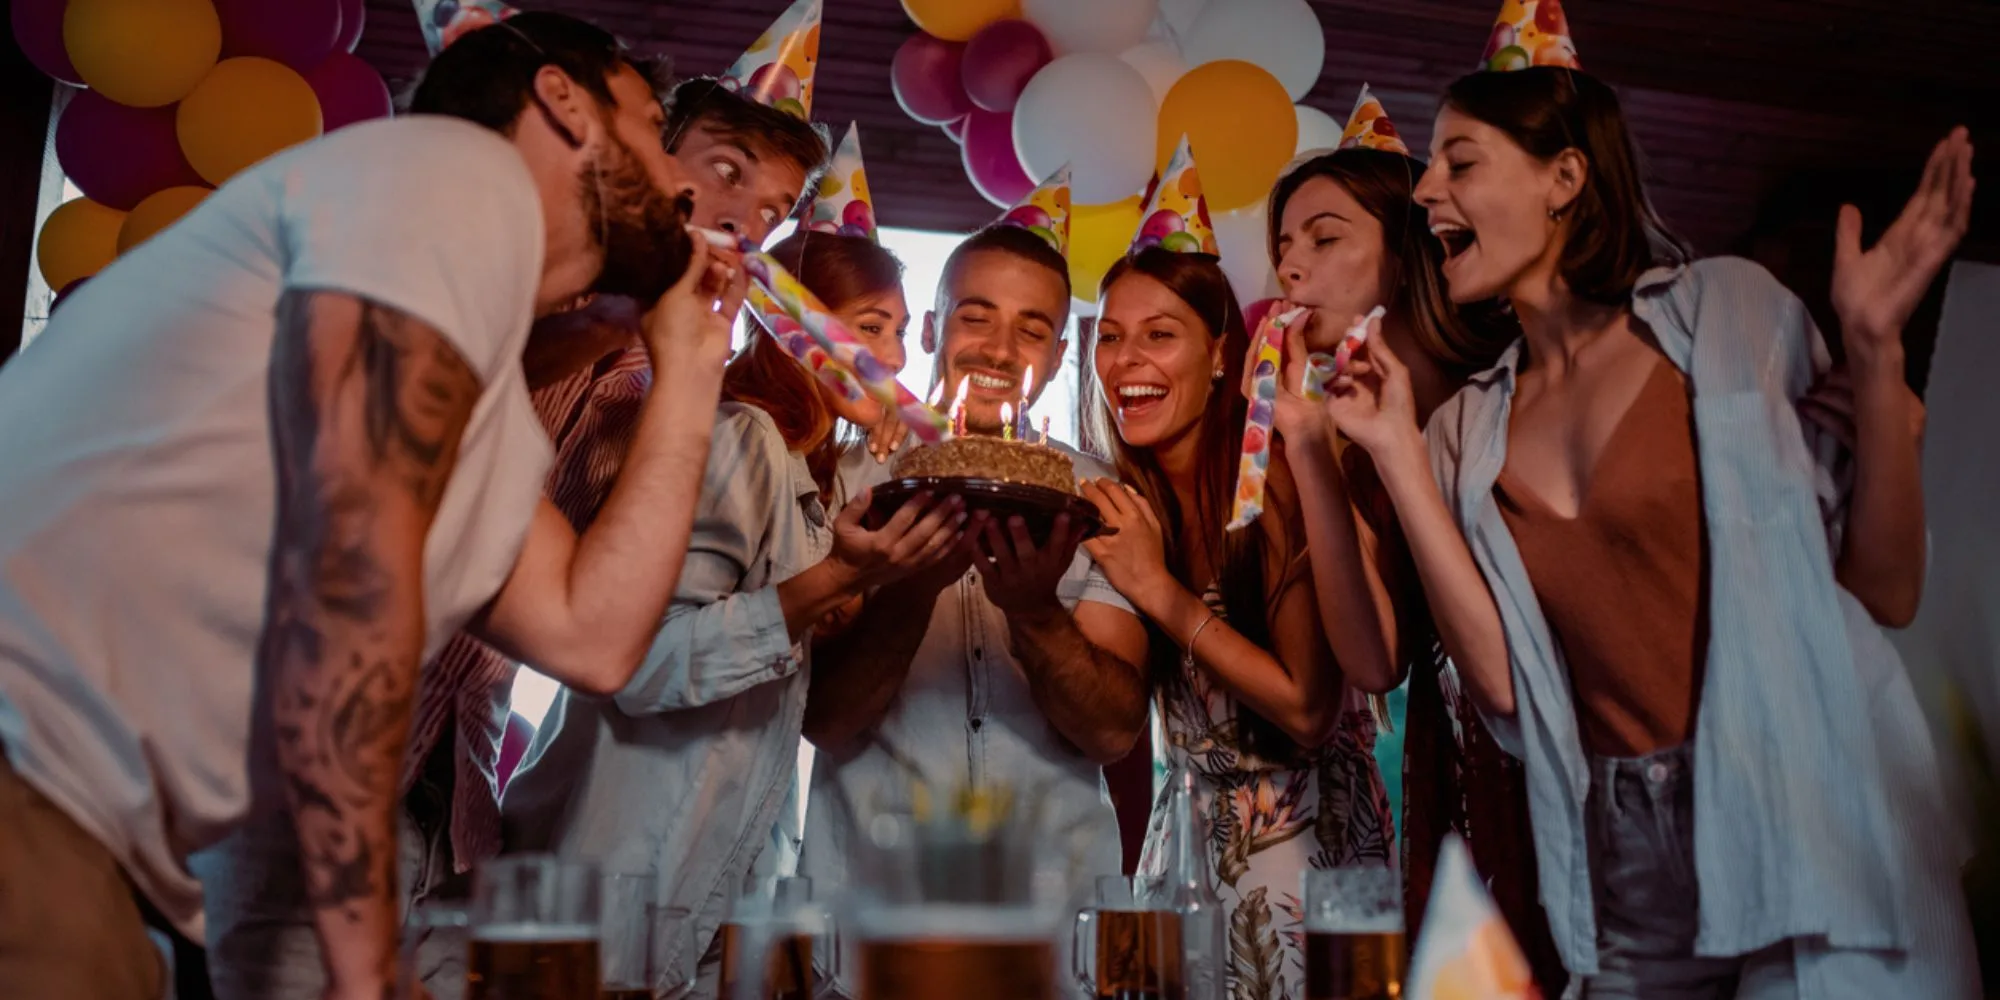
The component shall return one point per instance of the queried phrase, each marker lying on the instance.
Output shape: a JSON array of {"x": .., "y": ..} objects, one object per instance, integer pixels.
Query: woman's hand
[
  {"x": 1134, "y": 557},
  {"x": 1372, "y": 404},
  {"x": 918, "y": 535},
  {"x": 886, "y": 436},
  {"x": 1299, "y": 422},
  {"x": 1874, "y": 291}
]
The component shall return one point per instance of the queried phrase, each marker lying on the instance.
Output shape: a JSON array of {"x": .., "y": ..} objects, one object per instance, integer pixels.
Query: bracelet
[{"x": 1187, "y": 658}]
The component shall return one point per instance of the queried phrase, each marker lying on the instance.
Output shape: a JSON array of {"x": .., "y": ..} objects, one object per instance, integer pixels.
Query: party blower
[{"x": 842, "y": 347}]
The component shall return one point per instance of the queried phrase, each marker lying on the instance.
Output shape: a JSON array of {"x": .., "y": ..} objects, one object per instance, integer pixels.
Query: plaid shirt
[{"x": 591, "y": 417}]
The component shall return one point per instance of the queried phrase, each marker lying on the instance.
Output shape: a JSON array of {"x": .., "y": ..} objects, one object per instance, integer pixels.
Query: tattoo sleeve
[{"x": 367, "y": 408}]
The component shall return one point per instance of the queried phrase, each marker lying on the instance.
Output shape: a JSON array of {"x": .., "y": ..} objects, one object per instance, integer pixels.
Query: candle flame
[
  {"x": 1027, "y": 387},
  {"x": 1006, "y": 415}
]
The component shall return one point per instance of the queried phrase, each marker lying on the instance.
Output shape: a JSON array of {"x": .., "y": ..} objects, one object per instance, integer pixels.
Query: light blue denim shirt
[
  {"x": 965, "y": 712},
  {"x": 1818, "y": 807},
  {"x": 682, "y": 774}
]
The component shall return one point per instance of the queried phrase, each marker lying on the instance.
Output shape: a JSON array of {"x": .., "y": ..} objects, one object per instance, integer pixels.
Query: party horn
[
  {"x": 1322, "y": 369},
  {"x": 800, "y": 345},
  {"x": 1256, "y": 462},
  {"x": 843, "y": 348}
]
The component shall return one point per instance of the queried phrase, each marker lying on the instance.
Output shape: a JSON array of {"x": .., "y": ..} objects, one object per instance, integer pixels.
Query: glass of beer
[
  {"x": 1354, "y": 934},
  {"x": 534, "y": 930},
  {"x": 958, "y": 950},
  {"x": 1127, "y": 946},
  {"x": 626, "y": 940},
  {"x": 778, "y": 919}
]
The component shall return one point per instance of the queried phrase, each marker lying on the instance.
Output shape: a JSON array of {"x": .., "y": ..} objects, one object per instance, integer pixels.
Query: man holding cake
[{"x": 1025, "y": 672}]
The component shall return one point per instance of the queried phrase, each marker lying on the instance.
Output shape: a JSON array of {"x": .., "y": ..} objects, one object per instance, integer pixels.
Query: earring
[
  {"x": 1217, "y": 376},
  {"x": 1555, "y": 213}
]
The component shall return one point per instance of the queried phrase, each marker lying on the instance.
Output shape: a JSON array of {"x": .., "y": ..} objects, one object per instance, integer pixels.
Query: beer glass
[
  {"x": 626, "y": 941},
  {"x": 534, "y": 930},
  {"x": 1354, "y": 934},
  {"x": 1127, "y": 945},
  {"x": 778, "y": 920},
  {"x": 958, "y": 950}
]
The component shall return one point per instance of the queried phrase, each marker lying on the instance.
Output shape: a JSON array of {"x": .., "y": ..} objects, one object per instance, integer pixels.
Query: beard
[{"x": 641, "y": 232}]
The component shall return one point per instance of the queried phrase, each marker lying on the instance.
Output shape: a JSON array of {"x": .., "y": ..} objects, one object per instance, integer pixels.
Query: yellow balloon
[
  {"x": 160, "y": 210},
  {"x": 1098, "y": 236},
  {"x": 1240, "y": 122},
  {"x": 143, "y": 53},
  {"x": 245, "y": 109},
  {"x": 958, "y": 20},
  {"x": 80, "y": 237}
]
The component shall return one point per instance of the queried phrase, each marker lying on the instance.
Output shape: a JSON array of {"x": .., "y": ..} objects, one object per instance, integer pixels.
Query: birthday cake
[{"x": 990, "y": 458}]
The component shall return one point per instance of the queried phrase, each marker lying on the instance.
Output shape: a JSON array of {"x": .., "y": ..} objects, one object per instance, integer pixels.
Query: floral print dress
[{"x": 1268, "y": 821}]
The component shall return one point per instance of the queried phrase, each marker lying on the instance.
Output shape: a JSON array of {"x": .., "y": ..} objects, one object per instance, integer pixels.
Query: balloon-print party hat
[
  {"x": 842, "y": 203},
  {"x": 1176, "y": 216},
  {"x": 778, "y": 69},
  {"x": 1045, "y": 211},
  {"x": 443, "y": 21},
  {"x": 1465, "y": 951},
  {"x": 1369, "y": 127},
  {"x": 1530, "y": 33}
]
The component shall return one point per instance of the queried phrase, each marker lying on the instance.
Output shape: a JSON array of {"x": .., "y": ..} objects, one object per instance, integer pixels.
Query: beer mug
[
  {"x": 534, "y": 930},
  {"x": 1127, "y": 945},
  {"x": 958, "y": 950},
  {"x": 778, "y": 919},
  {"x": 1354, "y": 934},
  {"x": 627, "y": 938}
]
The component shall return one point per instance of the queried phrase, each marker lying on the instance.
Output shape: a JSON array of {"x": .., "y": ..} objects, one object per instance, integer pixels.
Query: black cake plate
[{"x": 1037, "y": 505}]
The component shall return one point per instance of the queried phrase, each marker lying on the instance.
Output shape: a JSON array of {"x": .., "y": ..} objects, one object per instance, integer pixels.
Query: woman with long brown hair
[
  {"x": 1345, "y": 237},
  {"x": 1251, "y": 687},
  {"x": 1663, "y": 588}
]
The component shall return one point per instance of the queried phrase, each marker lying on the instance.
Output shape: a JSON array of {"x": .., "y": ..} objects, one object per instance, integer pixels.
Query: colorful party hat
[
  {"x": 1369, "y": 127},
  {"x": 443, "y": 21},
  {"x": 1530, "y": 33},
  {"x": 842, "y": 203},
  {"x": 1466, "y": 951},
  {"x": 778, "y": 69},
  {"x": 1176, "y": 216},
  {"x": 1045, "y": 211}
]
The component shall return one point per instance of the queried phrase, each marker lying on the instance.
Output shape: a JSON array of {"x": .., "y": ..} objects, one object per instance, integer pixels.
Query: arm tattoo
[{"x": 367, "y": 411}]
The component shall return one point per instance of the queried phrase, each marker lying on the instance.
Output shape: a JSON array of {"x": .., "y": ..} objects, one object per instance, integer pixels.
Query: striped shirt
[
  {"x": 1819, "y": 809},
  {"x": 591, "y": 415}
]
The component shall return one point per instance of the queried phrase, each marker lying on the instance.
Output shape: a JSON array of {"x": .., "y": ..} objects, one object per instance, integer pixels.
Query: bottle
[{"x": 1204, "y": 924}]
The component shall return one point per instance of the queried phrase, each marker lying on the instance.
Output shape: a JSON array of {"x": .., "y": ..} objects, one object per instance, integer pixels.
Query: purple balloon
[
  {"x": 353, "y": 17},
  {"x": 38, "y": 31},
  {"x": 119, "y": 155},
  {"x": 925, "y": 77},
  {"x": 999, "y": 62},
  {"x": 990, "y": 161},
  {"x": 956, "y": 129},
  {"x": 349, "y": 91},
  {"x": 298, "y": 33}
]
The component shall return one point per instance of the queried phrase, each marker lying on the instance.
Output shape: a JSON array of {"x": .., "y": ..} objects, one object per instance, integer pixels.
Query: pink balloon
[
  {"x": 1254, "y": 313},
  {"x": 119, "y": 155},
  {"x": 353, "y": 17},
  {"x": 298, "y": 33},
  {"x": 925, "y": 77},
  {"x": 956, "y": 129},
  {"x": 990, "y": 161},
  {"x": 349, "y": 91},
  {"x": 38, "y": 31},
  {"x": 999, "y": 62}
]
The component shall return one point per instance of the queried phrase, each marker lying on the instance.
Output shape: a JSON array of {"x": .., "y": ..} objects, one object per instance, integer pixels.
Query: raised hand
[
  {"x": 691, "y": 324},
  {"x": 920, "y": 534},
  {"x": 1371, "y": 401},
  {"x": 1875, "y": 290},
  {"x": 1295, "y": 419}
]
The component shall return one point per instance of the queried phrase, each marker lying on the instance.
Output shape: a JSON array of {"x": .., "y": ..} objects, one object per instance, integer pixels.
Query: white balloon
[
  {"x": 1160, "y": 63},
  {"x": 1283, "y": 36},
  {"x": 1095, "y": 113},
  {"x": 1179, "y": 15},
  {"x": 1242, "y": 237},
  {"x": 1317, "y": 129},
  {"x": 1091, "y": 25}
]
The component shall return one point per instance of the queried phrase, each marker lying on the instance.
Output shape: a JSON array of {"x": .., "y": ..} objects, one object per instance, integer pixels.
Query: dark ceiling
[{"x": 1737, "y": 103}]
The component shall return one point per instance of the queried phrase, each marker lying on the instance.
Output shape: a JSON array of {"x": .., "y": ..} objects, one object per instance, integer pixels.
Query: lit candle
[
  {"x": 958, "y": 406},
  {"x": 1006, "y": 422}
]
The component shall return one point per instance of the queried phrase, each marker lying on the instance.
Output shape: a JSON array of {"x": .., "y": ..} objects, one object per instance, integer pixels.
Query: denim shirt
[
  {"x": 1817, "y": 799},
  {"x": 683, "y": 772},
  {"x": 965, "y": 712}
]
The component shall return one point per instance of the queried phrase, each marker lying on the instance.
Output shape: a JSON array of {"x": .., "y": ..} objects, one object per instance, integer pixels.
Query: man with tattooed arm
[{"x": 266, "y": 463}]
